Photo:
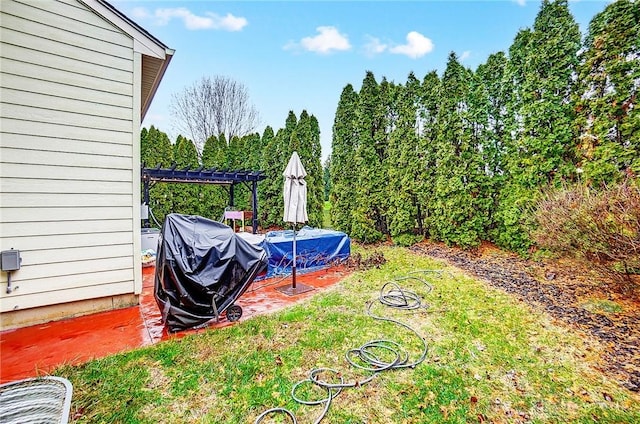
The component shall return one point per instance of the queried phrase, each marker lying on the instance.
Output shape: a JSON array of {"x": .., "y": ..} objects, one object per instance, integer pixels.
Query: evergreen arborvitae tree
[
  {"x": 235, "y": 153},
  {"x": 156, "y": 150},
  {"x": 186, "y": 197},
  {"x": 326, "y": 176},
  {"x": 369, "y": 215},
  {"x": 489, "y": 111},
  {"x": 214, "y": 153},
  {"x": 488, "y": 102},
  {"x": 251, "y": 161},
  {"x": 225, "y": 162},
  {"x": 268, "y": 189},
  {"x": 185, "y": 154},
  {"x": 214, "y": 198},
  {"x": 306, "y": 141},
  {"x": 316, "y": 147},
  {"x": 236, "y": 157},
  {"x": 460, "y": 207},
  {"x": 252, "y": 155},
  {"x": 427, "y": 149},
  {"x": 286, "y": 139},
  {"x": 404, "y": 166},
  {"x": 509, "y": 220},
  {"x": 274, "y": 161},
  {"x": 608, "y": 110},
  {"x": 309, "y": 129},
  {"x": 145, "y": 146},
  {"x": 343, "y": 173},
  {"x": 290, "y": 125},
  {"x": 542, "y": 66},
  {"x": 385, "y": 122},
  {"x": 549, "y": 115},
  {"x": 514, "y": 79}
]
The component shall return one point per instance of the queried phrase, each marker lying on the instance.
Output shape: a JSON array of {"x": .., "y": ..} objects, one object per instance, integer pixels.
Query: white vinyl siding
[{"x": 69, "y": 170}]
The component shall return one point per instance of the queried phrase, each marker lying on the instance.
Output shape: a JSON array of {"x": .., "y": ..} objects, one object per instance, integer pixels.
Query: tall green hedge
[{"x": 463, "y": 157}]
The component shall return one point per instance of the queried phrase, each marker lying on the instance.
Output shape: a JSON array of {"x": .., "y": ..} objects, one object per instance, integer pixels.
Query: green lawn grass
[{"x": 490, "y": 359}]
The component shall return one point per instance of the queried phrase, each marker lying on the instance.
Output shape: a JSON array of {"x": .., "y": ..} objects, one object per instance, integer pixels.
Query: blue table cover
[{"x": 315, "y": 249}]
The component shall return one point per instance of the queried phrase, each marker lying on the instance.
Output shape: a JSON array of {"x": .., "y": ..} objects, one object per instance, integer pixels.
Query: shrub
[
  {"x": 363, "y": 228},
  {"x": 513, "y": 219},
  {"x": 601, "y": 226}
]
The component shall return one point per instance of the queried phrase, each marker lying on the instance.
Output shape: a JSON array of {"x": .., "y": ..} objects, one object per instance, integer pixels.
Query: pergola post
[{"x": 254, "y": 192}]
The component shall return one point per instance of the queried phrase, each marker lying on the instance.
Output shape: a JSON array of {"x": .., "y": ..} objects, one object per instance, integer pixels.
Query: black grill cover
[{"x": 202, "y": 267}]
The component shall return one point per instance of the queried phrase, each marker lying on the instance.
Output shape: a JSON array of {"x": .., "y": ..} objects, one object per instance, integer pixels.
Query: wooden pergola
[{"x": 151, "y": 176}]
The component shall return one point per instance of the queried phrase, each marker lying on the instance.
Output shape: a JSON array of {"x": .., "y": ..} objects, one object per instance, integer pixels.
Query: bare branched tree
[{"x": 214, "y": 106}]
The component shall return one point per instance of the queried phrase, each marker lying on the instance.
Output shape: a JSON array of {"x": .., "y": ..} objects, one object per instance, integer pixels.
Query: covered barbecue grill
[{"x": 202, "y": 268}]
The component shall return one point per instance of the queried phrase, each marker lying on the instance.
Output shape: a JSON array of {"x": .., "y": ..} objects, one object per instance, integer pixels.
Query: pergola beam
[
  {"x": 201, "y": 176},
  {"x": 211, "y": 176}
]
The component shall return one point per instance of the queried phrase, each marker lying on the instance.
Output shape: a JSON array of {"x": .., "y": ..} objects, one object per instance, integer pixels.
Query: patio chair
[
  {"x": 36, "y": 400},
  {"x": 234, "y": 215}
]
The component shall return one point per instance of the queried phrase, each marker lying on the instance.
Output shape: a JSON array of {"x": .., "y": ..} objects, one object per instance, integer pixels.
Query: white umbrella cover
[{"x": 295, "y": 191}]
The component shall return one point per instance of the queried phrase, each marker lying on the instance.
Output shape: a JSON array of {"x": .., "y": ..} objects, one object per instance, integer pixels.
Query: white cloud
[
  {"x": 327, "y": 40},
  {"x": 520, "y": 2},
  {"x": 465, "y": 55},
  {"x": 195, "y": 22},
  {"x": 417, "y": 46},
  {"x": 374, "y": 46},
  {"x": 140, "y": 13}
]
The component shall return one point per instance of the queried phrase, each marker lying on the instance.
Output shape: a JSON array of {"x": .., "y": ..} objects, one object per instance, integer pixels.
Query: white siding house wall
[{"x": 69, "y": 159}]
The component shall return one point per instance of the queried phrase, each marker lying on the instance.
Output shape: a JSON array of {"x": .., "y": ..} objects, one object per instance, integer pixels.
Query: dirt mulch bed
[{"x": 566, "y": 291}]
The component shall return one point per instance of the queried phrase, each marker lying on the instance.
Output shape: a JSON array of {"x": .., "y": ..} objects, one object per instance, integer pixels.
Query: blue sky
[{"x": 297, "y": 55}]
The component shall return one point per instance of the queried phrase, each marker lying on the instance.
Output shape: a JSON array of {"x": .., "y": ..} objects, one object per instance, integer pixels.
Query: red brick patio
[{"x": 39, "y": 349}]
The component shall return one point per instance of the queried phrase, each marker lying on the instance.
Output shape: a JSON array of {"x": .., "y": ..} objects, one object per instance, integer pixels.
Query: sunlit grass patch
[{"x": 602, "y": 306}]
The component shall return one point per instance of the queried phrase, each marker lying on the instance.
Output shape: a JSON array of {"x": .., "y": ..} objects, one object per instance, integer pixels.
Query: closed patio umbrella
[
  {"x": 295, "y": 211},
  {"x": 295, "y": 191}
]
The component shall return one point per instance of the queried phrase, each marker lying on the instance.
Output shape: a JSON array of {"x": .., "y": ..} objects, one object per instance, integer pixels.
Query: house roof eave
[{"x": 143, "y": 43}]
